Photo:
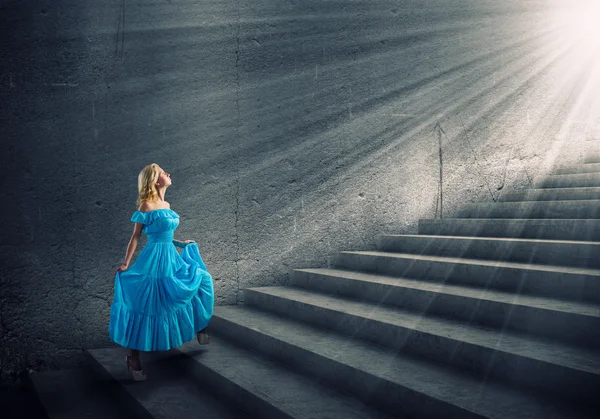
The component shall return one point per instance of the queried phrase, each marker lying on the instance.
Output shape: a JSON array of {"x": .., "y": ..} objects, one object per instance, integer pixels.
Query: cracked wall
[{"x": 292, "y": 130}]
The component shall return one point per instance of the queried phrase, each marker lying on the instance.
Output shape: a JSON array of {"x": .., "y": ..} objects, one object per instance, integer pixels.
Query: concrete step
[
  {"x": 534, "y": 315},
  {"x": 270, "y": 389},
  {"x": 551, "y": 194},
  {"x": 574, "y": 209},
  {"x": 592, "y": 159},
  {"x": 578, "y": 169},
  {"x": 569, "y": 181},
  {"x": 77, "y": 394},
  {"x": 168, "y": 392},
  {"x": 545, "y": 229},
  {"x": 560, "y": 282},
  {"x": 555, "y": 252},
  {"x": 486, "y": 353}
]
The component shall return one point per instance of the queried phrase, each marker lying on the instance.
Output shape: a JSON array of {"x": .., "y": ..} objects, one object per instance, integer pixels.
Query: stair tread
[
  {"x": 571, "y": 202},
  {"x": 490, "y": 399},
  {"x": 295, "y": 394},
  {"x": 575, "y": 188},
  {"x": 483, "y": 262},
  {"x": 579, "y": 169},
  {"x": 554, "y": 183},
  {"x": 165, "y": 393},
  {"x": 572, "y": 175},
  {"x": 546, "y": 303},
  {"x": 541, "y": 349},
  {"x": 575, "y": 229},
  {"x": 515, "y": 220},
  {"x": 498, "y": 239}
]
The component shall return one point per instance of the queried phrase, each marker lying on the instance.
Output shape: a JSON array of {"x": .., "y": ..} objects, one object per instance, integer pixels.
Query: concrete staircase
[{"x": 493, "y": 314}]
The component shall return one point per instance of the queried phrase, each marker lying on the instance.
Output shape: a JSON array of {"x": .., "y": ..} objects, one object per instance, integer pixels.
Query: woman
[{"x": 164, "y": 298}]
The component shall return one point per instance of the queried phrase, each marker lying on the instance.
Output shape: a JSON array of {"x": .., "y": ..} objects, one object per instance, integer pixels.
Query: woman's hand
[
  {"x": 122, "y": 268},
  {"x": 182, "y": 244}
]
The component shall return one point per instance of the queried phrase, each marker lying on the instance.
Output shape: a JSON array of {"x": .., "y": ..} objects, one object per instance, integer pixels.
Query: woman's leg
[
  {"x": 135, "y": 366},
  {"x": 135, "y": 359}
]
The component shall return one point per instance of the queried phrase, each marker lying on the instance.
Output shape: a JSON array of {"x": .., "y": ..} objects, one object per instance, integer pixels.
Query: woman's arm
[
  {"x": 131, "y": 246},
  {"x": 133, "y": 241},
  {"x": 180, "y": 243}
]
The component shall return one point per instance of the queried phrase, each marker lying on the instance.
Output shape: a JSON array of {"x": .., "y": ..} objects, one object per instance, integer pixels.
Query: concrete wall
[{"x": 292, "y": 129}]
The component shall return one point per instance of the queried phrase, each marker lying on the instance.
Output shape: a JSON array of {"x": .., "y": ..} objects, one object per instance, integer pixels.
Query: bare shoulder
[
  {"x": 145, "y": 207},
  {"x": 151, "y": 206}
]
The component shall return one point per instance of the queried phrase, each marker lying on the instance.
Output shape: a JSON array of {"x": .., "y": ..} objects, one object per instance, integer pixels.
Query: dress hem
[{"x": 157, "y": 332}]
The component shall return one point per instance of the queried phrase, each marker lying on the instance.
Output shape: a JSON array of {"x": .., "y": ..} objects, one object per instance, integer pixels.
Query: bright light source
[{"x": 580, "y": 24}]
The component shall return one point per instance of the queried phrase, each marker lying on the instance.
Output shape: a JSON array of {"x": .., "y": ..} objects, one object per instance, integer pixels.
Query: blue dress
[{"x": 164, "y": 298}]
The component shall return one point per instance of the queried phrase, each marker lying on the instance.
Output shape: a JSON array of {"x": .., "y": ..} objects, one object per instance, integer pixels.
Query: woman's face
[{"x": 164, "y": 178}]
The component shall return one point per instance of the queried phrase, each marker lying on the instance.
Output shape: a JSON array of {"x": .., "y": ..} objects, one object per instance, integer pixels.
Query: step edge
[
  {"x": 242, "y": 382},
  {"x": 483, "y": 262},
  {"x": 492, "y": 239},
  {"x": 423, "y": 330},
  {"x": 345, "y": 363},
  {"x": 452, "y": 294}
]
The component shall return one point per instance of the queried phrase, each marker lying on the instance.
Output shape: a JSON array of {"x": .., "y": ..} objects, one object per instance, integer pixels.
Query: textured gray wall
[{"x": 292, "y": 129}]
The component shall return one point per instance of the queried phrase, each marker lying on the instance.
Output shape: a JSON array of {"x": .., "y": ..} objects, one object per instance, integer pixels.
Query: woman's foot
[
  {"x": 135, "y": 367},
  {"x": 202, "y": 337}
]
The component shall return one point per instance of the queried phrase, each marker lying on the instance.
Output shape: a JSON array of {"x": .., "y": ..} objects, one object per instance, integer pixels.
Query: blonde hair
[{"x": 147, "y": 184}]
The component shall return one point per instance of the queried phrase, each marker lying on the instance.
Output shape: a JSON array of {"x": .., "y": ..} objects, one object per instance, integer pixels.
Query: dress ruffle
[
  {"x": 148, "y": 218},
  {"x": 157, "y": 333}
]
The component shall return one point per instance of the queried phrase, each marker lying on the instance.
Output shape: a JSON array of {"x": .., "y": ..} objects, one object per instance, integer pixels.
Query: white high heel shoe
[{"x": 138, "y": 375}]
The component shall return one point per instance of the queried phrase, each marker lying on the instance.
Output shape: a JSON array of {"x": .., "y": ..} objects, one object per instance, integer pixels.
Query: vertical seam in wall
[
  {"x": 440, "y": 192},
  {"x": 237, "y": 131},
  {"x": 441, "y": 154}
]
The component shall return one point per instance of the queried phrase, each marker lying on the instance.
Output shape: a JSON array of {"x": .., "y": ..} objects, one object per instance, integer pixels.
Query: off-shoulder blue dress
[{"x": 164, "y": 298}]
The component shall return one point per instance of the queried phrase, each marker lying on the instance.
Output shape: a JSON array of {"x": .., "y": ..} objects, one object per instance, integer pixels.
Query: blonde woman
[{"x": 165, "y": 298}]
